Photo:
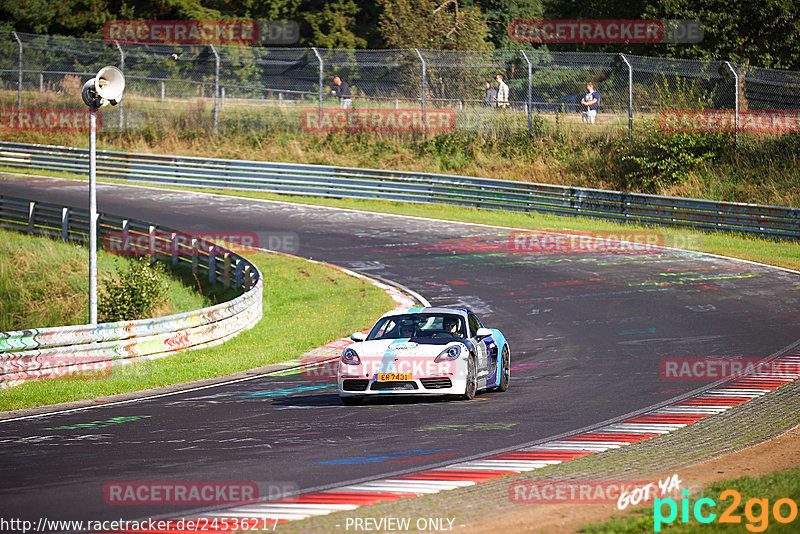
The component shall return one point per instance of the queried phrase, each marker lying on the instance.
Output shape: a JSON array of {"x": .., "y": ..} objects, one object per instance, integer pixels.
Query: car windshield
[{"x": 419, "y": 326}]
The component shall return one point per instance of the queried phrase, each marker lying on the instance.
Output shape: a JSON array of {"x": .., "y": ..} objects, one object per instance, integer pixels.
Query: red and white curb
[{"x": 639, "y": 428}]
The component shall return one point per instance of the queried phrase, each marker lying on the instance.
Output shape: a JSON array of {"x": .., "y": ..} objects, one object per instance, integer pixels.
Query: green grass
[
  {"x": 305, "y": 305},
  {"x": 772, "y": 487},
  {"x": 45, "y": 282}
]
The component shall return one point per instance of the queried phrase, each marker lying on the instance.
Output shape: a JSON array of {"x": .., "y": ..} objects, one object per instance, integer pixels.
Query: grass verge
[
  {"x": 753, "y": 511},
  {"x": 305, "y": 306},
  {"x": 45, "y": 282}
]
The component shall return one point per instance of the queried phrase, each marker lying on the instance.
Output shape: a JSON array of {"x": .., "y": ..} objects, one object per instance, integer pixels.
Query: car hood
[
  {"x": 399, "y": 348},
  {"x": 404, "y": 356}
]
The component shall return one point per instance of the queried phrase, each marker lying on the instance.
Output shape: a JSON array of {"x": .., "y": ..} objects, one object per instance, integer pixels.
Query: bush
[
  {"x": 656, "y": 159},
  {"x": 134, "y": 294}
]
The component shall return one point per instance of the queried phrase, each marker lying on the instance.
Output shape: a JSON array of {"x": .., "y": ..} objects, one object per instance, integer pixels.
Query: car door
[{"x": 482, "y": 354}]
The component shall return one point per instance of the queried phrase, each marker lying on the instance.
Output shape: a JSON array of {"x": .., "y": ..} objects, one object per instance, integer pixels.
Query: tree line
[{"x": 763, "y": 34}]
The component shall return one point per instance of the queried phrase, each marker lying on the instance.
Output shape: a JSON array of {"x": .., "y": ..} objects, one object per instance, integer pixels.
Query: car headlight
[
  {"x": 450, "y": 353},
  {"x": 350, "y": 357}
]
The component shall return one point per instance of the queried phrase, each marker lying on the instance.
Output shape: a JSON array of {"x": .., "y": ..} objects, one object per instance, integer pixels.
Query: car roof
[{"x": 427, "y": 309}]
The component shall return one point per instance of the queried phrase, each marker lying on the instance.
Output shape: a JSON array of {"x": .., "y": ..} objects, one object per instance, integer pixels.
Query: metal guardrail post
[
  {"x": 735, "y": 100},
  {"x": 195, "y": 257},
  {"x": 174, "y": 244},
  {"x": 424, "y": 83},
  {"x": 630, "y": 96},
  {"x": 122, "y": 68},
  {"x": 31, "y": 217},
  {"x": 151, "y": 231},
  {"x": 65, "y": 224},
  {"x": 19, "y": 83},
  {"x": 216, "y": 89},
  {"x": 321, "y": 81},
  {"x": 212, "y": 264},
  {"x": 530, "y": 91}
]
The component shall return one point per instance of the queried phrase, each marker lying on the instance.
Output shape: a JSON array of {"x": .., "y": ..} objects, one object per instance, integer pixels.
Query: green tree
[
  {"x": 764, "y": 34},
  {"x": 433, "y": 24},
  {"x": 333, "y": 24}
]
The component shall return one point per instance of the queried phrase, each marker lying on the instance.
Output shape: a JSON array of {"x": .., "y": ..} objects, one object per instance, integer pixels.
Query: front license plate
[{"x": 392, "y": 377}]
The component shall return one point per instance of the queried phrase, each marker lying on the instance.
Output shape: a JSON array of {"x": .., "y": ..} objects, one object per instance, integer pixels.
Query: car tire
[
  {"x": 505, "y": 370},
  {"x": 472, "y": 380},
  {"x": 352, "y": 401}
]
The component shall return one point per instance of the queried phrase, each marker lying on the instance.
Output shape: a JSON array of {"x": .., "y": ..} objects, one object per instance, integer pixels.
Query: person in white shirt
[{"x": 502, "y": 92}]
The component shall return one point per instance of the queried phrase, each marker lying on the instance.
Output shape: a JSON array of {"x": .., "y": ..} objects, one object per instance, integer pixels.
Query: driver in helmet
[
  {"x": 406, "y": 329},
  {"x": 451, "y": 326}
]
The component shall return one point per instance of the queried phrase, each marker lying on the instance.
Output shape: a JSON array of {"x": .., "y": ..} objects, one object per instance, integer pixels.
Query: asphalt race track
[{"x": 588, "y": 331}]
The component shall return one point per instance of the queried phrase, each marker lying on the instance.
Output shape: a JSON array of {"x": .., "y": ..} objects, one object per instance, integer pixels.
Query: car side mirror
[
  {"x": 482, "y": 333},
  {"x": 358, "y": 336}
]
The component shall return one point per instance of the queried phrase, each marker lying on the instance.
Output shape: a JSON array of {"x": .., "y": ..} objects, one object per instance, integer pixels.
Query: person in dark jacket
[
  {"x": 341, "y": 90},
  {"x": 491, "y": 95}
]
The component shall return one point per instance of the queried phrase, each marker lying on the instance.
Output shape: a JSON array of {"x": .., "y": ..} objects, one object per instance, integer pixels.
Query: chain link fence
[{"x": 224, "y": 88}]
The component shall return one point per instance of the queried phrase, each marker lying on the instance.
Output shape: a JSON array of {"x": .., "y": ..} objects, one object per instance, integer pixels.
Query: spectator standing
[
  {"x": 590, "y": 103},
  {"x": 341, "y": 90},
  {"x": 502, "y": 92},
  {"x": 491, "y": 95}
]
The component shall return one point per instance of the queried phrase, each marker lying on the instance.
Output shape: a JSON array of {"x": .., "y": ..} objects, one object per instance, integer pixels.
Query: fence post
[
  {"x": 122, "y": 68},
  {"x": 321, "y": 81},
  {"x": 630, "y": 96},
  {"x": 424, "y": 83},
  {"x": 530, "y": 91},
  {"x": 19, "y": 83},
  {"x": 216, "y": 89},
  {"x": 735, "y": 101},
  {"x": 162, "y": 92}
]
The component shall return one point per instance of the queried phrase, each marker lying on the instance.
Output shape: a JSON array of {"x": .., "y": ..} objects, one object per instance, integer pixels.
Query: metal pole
[
  {"x": 92, "y": 216},
  {"x": 122, "y": 68},
  {"x": 424, "y": 83},
  {"x": 19, "y": 83},
  {"x": 735, "y": 100},
  {"x": 216, "y": 89},
  {"x": 321, "y": 81},
  {"x": 530, "y": 91},
  {"x": 630, "y": 96}
]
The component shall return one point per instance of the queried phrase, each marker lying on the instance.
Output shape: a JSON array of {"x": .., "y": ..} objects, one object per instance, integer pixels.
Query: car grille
[
  {"x": 436, "y": 383},
  {"x": 355, "y": 385},
  {"x": 393, "y": 385}
]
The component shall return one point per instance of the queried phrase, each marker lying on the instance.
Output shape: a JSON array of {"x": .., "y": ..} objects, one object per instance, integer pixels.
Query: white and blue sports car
[{"x": 424, "y": 351}]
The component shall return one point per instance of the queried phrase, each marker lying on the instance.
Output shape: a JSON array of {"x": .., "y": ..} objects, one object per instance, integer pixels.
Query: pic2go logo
[{"x": 756, "y": 511}]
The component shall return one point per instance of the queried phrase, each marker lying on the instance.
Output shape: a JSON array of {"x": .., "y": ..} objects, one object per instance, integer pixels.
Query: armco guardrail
[
  {"x": 344, "y": 182},
  {"x": 90, "y": 350}
]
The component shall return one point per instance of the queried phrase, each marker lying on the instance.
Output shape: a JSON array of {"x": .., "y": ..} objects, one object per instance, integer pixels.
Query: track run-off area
[{"x": 589, "y": 332}]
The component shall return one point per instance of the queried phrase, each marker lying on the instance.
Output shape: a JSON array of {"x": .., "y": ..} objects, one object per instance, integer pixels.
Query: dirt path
[{"x": 776, "y": 454}]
